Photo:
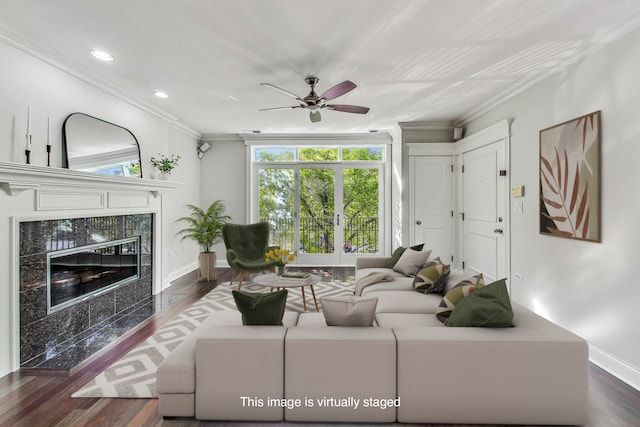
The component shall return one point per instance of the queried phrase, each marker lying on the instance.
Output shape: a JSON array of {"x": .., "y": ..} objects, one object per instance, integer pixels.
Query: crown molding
[
  {"x": 426, "y": 125},
  {"x": 316, "y": 138},
  {"x": 50, "y": 57},
  {"x": 221, "y": 137}
]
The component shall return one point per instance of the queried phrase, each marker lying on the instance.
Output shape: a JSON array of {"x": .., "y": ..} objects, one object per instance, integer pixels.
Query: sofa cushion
[
  {"x": 410, "y": 261},
  {"x": 176, "y": 373},
  {"x": 261, "y": 308},
  {"x": 488, "y": 306},
  {"x": 340, "y": 363},
  {"x": 314, "y": 320},
  {"x": 349, "y": 311},
  {"x": 432, "y": 277},
  {"x": 456, "y": 294},
  {"x": 397, "y": 284},
  {"x": 233, "y": 362},
  {"x": 403, "y": 320},
  {"x": 406, "y": 302}
]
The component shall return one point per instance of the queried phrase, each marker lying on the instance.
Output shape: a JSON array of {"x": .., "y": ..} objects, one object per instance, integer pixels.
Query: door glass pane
[
  {"x": 317, "y": 211},
  {"x": 360, "y": 207},
  {"x": 276, "y": 200}
]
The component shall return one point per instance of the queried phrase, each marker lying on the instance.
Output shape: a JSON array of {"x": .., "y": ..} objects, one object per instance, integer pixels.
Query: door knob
[
  {"x": 497, "y": 230},
  {"x": 419, "y": 222}
]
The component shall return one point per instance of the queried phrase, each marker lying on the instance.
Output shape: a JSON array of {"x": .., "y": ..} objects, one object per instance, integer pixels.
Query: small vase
[
  {"x": 280, "y": 270},
  {"x": 163, "y": 176}
]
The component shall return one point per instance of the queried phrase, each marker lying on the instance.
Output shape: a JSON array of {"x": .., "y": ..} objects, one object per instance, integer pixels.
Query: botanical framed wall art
[{"x": 570, "y": 179}]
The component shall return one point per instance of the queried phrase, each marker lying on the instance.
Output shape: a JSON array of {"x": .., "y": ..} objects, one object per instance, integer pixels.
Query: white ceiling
[{"x": 437, "y": 61}]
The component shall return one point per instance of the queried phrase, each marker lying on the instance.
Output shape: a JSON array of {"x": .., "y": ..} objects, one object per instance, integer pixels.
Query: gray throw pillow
[
  {"x": 349, "y": 310},
  {"x": 391, "y": 262},
  {"x": 411, "y": 261}
]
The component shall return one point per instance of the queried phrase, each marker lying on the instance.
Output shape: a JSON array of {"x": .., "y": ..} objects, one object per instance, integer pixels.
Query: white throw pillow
[
  {"x": 411, "y": 261},
  {"x": 349, "y": 311}
]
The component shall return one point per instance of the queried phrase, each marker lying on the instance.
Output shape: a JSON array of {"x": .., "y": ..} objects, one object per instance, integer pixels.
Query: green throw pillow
[
  {"x": 456, "y": 294},
  {"x": 261, "y": 308},
  {"x": 432, "y": 277},
  {"x": 398, "y": 253},
  {"x": 488, "y": 306}
]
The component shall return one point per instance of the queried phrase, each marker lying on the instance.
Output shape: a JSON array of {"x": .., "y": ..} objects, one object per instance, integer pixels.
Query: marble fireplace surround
[{"x": 45, "y": 195}]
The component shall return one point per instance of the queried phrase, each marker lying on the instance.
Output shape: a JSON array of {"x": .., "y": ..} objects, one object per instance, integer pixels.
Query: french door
[{"x": 328, "y": 213}]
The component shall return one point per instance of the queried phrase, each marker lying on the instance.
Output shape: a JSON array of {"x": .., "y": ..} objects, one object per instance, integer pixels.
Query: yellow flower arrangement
[{"x": 279, "y": 257}]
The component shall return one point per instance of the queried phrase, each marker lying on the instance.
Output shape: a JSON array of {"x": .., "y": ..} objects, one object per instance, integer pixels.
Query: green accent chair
[{"x": 247, "y": 245}]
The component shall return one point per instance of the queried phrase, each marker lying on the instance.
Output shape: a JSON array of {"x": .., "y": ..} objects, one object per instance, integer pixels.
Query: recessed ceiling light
[
  {"x": 161, "y": 94},
  {"x": 102, "y": 55}
]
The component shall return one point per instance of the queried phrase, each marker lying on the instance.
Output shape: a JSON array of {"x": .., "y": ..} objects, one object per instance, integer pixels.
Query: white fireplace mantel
[{"x": 16, "y": 178}]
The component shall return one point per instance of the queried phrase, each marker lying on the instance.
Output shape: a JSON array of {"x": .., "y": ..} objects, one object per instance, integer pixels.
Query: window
[{"x": 324, "y": 202}]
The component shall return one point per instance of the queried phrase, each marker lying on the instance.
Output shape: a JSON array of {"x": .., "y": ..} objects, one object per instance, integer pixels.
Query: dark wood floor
[{"x": 33, "y": 401}]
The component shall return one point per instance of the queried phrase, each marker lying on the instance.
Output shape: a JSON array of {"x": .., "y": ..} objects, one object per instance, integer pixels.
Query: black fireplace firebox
[{"x": 77, "y": 274}]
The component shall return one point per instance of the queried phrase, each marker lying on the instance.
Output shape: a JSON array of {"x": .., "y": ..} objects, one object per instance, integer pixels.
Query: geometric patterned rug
[{"x": 134, "y": 375}]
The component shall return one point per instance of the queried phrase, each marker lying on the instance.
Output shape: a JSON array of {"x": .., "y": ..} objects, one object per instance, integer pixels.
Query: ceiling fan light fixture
[{"x": 314, "y": 115}]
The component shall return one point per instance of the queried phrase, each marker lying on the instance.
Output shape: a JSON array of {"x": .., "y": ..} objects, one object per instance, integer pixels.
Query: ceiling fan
[{"x": 315, "y": 103}]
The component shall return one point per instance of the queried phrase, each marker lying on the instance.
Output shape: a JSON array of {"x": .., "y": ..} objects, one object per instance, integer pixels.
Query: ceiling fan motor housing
[{"x": 312, "y": 99}]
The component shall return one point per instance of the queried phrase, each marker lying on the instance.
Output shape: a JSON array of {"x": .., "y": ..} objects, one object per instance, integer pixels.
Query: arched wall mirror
[{"x": 94, "y": 145}]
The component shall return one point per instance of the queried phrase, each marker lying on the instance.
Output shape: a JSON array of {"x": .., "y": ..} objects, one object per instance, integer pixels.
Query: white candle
[
  {"x": 48, "y": 130},
  {"x": 28, "y": 144}
]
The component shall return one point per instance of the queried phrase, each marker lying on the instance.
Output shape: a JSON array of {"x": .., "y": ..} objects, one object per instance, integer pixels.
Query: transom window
[{"x": 315, "y": 154}]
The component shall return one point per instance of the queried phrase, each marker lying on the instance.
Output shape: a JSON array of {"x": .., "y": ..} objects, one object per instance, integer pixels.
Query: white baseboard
[
  {"x": 619, "y": 369},
  {"x": 176, "y": 274}
]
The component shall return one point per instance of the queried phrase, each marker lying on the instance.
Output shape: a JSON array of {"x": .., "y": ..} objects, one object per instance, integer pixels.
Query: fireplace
[{"x": 77, "y": 274}]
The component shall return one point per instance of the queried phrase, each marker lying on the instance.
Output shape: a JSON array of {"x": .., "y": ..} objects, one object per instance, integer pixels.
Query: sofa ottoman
[
  {"x": 340, "y": 374},
  {"x": 176, "y": 375},
  {"x": 239, "y": 370},
  {"x": 533, "y": 373}
]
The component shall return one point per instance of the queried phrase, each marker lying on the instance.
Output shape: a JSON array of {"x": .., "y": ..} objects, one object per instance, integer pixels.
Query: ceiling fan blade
[
  {"x": 315, "y": 116},
  {"x": 283, "y": 91},
  {"x": 280, "y": 108},
  {"x": 338, "y": 90},
  {"x": 348, "y": 108}
]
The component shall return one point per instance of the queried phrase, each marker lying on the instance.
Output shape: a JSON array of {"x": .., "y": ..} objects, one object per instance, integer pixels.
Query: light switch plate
[{"x": 518, "y": 207}]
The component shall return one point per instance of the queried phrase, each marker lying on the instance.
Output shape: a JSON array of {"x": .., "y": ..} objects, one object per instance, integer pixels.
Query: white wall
[
  {"x": 51, "y": 92},
  {"x": 589, "y": 288},
  {"x": 224, "y": 177},
  {"x": 179, "y": 257}
]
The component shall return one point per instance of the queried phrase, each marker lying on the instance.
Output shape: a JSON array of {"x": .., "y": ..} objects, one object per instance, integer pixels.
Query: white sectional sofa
[{"x": 409, "y": 368}]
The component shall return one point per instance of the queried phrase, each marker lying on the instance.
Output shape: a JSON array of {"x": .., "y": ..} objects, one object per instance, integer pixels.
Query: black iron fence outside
[{"x": 360, "y": 234}]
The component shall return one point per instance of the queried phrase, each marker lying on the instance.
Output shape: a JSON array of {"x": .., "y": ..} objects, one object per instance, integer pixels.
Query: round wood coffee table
[{"x": 274, "y": 281}]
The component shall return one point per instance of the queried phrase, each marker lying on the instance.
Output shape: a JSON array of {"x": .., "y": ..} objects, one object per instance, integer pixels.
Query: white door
[
  {"x": 484, "y": 208},
  {"x": 430, "y": 214}
]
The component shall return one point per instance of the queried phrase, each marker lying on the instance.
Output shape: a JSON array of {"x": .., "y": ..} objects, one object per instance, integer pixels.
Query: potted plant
[
  {"x": 205, "y": 228},
  {"x": 165, "y": 164}
]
